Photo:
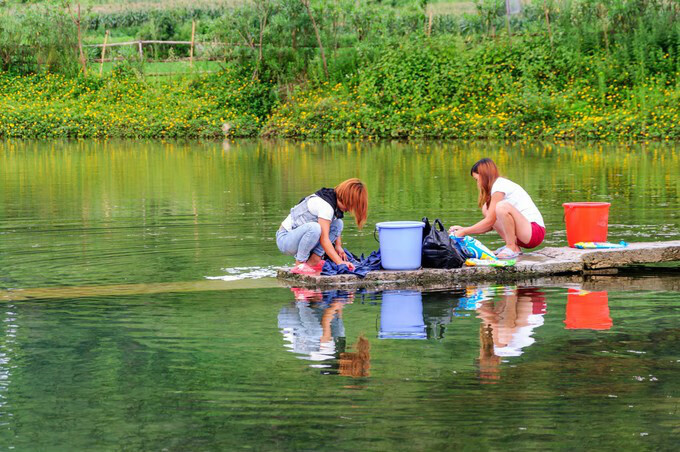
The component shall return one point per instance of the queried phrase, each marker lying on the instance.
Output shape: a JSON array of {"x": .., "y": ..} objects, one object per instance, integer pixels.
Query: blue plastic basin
[{"x": 401, "y": 244}]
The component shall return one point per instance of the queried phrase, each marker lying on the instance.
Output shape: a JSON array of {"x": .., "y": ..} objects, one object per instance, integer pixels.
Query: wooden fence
[{"x": 140, "y": 46}]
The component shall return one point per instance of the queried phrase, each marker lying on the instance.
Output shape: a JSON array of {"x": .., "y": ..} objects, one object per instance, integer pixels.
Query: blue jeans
[{"x": 302, "y": 241}]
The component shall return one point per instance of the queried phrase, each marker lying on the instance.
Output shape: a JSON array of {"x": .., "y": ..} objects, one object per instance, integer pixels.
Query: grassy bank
[
  {"x": 427, "y": 88},
  {"x": 437, "y": 88},
  {"x": 121, "y": 105},
  {"x": 597, "y": 69}
]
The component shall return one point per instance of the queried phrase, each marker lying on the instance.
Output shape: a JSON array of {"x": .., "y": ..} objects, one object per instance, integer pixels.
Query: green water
[{"x": 113, "y": 337}]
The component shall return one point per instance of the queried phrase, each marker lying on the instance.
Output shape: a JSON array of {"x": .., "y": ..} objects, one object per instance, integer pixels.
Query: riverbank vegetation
[{"x": 567, "y": 69}]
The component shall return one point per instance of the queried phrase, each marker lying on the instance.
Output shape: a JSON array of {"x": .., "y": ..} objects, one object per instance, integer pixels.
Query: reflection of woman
[
  {"x": 489, "y": 363},
  {"x": 314, "y": 226},
  {"x": 507, "y": 326},
  {"x": 314, "y": 326},
  {"x": 357, "y": 363},
  {"x": 507, "y": 209}
]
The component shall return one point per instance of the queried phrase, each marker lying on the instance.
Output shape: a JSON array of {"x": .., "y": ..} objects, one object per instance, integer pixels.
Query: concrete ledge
[
  {"x": 540, "y": 264},
  {"x": 635, "y": 253}
]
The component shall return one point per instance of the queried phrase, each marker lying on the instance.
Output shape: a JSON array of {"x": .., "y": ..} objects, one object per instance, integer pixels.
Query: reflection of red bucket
[
  {"x": 586, "y": 221},
  {"x": 588, "y": 310}
]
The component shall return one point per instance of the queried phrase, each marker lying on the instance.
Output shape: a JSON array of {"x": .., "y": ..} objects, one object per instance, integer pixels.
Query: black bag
[
  {"x": 439, "y": 251},
  {"x": 427, "y": 228}
]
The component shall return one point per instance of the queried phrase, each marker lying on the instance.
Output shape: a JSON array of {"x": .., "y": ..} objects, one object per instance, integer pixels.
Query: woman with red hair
[
  {"x": 507, "y": 208},
  {"x": 314, "y": 226}
]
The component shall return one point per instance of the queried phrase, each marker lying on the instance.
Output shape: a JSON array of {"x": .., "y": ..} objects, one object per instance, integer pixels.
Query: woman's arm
[
  {"x": 339, "y": 249},
  {"x": 484, "y": 225},
  {"x": 327, "y": 245}
]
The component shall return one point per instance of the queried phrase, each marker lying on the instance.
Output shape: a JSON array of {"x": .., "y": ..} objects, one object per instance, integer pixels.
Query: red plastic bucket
[
  {"x": 586, "y": 221},
  {"x": 587, "y": 311}
]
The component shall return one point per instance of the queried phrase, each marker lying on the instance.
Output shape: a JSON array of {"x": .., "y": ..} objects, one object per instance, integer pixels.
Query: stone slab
[{"x": 530, "y": 266}]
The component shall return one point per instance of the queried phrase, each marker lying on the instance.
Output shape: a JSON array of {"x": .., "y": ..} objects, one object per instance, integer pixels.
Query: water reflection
[
  {"x": 313, "y": 328},
  {"x": 512, "y": 317},
  {"x": 313, "y": 325},
  {"x": 124, "y": 371},
  {"x": 587, "y": 310},
  {"x": 356, "y": 363},
  {"x": 401, "y": 315},
  {"x": 508, "y": 324}
]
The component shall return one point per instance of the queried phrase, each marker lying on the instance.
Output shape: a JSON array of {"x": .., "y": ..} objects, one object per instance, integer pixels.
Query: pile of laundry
[{"x": 362, "y": 265}]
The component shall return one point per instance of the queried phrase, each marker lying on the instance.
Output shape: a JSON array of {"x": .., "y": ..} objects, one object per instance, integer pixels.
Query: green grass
[
  {"x": 449, "y": 7},
  {"x": 161, "y": 68},
  {"x": 121, "y": 5}
]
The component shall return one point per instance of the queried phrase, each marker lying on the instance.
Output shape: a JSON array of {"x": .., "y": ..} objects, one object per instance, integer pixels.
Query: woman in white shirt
[
  {"x": 507, "y": 208},
  {"x": 314, "y": 226}
]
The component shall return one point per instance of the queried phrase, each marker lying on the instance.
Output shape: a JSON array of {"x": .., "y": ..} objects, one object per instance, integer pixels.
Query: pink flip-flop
[{"x": 304, "y": 269}]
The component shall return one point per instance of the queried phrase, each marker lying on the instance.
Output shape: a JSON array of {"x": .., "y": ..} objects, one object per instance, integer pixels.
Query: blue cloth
[{"x": 362, "y": 265}]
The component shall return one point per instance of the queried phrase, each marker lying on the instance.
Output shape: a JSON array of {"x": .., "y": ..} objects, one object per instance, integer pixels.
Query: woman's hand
[
  {"x": 348, "y": 264},
  {"x": 458, "y": 231},
  {"x": 341, "y": 252}
]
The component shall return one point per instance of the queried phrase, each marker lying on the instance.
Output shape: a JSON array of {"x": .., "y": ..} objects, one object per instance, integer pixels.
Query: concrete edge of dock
[{"x": 547, "y": 262}]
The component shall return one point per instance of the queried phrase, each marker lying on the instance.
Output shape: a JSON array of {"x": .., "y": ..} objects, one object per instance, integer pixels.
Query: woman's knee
[
  {"x": 503, "y": 208},
  {"x": 313, "y": 229},
  {"x": 337, "y": 225},
  {"x": 285, "y": 244}
]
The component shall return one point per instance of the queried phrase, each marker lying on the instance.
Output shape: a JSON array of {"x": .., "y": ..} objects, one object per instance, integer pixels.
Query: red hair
[
  {"x": 353, "y": 195},
  {"x": 488, "y": 173},
  {"x": 357, "y": 364}
]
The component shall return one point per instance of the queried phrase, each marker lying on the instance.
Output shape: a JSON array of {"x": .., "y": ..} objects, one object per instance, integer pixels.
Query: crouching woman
[
  {"x": 314, "y": 226},
  {"x": 507, "y": 209}
]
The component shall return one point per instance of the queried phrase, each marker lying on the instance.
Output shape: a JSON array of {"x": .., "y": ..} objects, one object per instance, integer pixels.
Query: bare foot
[{"x": 313, "y": 260}]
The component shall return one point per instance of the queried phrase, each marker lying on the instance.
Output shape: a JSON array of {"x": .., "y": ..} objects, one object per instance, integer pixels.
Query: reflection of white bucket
[{"x": 401, "y": 315}]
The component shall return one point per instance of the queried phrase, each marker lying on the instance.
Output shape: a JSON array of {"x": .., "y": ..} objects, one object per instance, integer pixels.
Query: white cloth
[
  {"x": 519, "y": 199},
  {"x": 316, "y": 206}
]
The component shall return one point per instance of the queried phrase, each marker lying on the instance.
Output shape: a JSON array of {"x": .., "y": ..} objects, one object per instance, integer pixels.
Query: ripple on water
[{"x": 238, "y": 273}]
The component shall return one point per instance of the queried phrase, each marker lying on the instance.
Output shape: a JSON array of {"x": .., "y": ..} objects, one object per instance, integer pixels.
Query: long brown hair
[
  {"x": 488, "y": 173},
  {"x": 352, "y": 193}
]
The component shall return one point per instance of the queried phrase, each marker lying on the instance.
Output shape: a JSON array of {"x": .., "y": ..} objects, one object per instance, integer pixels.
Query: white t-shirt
[
  {"x": 519, "y": 199},
  {"x": 317, "y": 206}
]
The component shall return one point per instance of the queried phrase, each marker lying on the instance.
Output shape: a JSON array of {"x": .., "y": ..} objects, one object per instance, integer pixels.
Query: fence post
[
  {"x": 191, "y": 50},
  {"x": 141, "y": 52},
  {"x": 307, "y": 6},
  {"x": 77, "y": 22},
  {"x": 547, "y": 21},
  {"x": 106, "y": 39},
  {"x": 507, "y": 19}
]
